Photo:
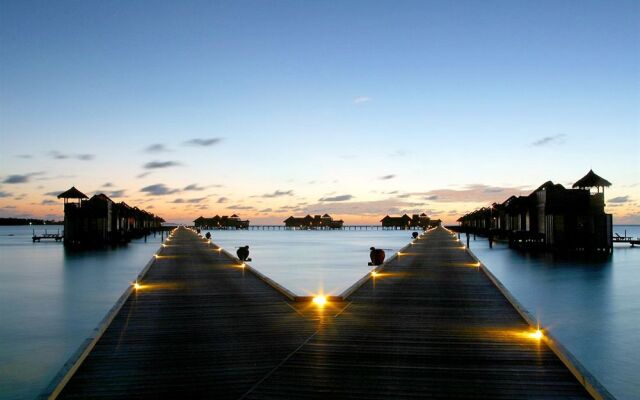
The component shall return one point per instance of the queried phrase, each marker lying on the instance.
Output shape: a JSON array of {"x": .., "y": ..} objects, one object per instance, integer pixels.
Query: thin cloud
[
  {"x": 193, "y": 187},
  {"x": 399, "y": 153},
  {"x": 266, "y": 210},
  {"x": 26, "y": 156},
  {"x": 107, "y": 185},
  {"x": 62, "y": 156},
  {"x": 159, "y": 189},
  {"x": 620, "y": 199},
  {"x": 547, "y": 140},
  {"x": 143, "y": 175},
  {"x": 362, "y": 99},
  {"x": 222, "y": 200},
  {"x": 48, "y": 202},
  {"x": 375, "y": 208},
  {"x": 116, "y": 193},
  {"x": 278, "y": 193},
  {"x": 58, "y": 156},
  {"x": 203, "y": 142},
  {"x": 15, "y": 179},
  {"x": 239, "y": 207},
  {"x": 53, "y": 178},
  {"x": 156, "y": 148},
  {"x": 5, "y": 194},
  {"x": 343, "y": 197},
  {"x": 473, "y": 193},
  {"x": 161, "y": 164},
  {"x": 189, "y": 201},
  {"x": 387, "y": 177}
]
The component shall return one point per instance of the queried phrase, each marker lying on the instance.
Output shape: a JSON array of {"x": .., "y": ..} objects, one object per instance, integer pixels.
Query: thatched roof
[
  {"x": 591, "y": 179},
  {"x": 72, "y": 193}
]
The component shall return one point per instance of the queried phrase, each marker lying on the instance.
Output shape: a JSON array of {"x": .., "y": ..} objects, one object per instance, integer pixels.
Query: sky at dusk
[{"x": 354, "y": 108}]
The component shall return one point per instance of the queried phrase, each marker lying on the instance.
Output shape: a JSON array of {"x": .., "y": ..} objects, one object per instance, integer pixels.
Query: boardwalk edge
[
  {"x": 279, "y": 288},
  {"x": 586, "y": 379},
  {"x": 60, "y": 380}
]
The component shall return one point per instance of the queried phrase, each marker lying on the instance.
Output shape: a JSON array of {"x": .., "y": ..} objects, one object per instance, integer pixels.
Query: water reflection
[
  {"x": 590, "y": 303},
  {"x": 51, "y": 299}
]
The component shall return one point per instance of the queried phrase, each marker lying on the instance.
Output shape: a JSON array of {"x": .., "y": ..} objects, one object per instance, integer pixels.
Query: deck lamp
[
  {"x": 537, "y": 334},
  {"x": 136, "y": 285},
  {"x": 320, "y": 300}
]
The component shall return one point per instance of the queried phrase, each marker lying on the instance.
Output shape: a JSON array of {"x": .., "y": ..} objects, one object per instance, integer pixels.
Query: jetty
[
  {"x": 37, "y": 237},
  {"x": 431, "y": 322}
]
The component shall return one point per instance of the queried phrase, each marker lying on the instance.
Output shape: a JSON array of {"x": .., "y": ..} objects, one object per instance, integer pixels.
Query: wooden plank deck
[{"x": 431, "y": 325}]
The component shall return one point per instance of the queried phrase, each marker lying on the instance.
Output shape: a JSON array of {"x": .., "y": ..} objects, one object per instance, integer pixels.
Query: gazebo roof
[
  {"x": 72, "y": 193},
  {"x": 591, "y": 179}
]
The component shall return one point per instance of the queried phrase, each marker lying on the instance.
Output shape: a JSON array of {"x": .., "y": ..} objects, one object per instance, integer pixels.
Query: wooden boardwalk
[{"x": 432, "y": 325}]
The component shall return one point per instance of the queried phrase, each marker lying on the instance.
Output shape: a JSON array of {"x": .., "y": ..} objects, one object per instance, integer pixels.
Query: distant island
[{"x": 27, "y": 221}]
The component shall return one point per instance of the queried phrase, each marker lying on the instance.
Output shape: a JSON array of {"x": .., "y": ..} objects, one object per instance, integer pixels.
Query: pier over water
[{"x": 430, "y": 324}]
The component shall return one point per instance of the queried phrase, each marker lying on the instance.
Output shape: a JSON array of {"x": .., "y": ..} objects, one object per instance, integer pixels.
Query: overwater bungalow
[
  {"x": 551, "y": 216},
  {"x": 99, "y": 220},
  {"x": 221, "y": 222},
  {"x": 416, "y": 221},
  {"x": 316, "y": 222}
]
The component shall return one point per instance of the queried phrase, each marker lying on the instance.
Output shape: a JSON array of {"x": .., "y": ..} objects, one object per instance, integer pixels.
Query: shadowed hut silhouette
[
  {"x": 551, "y": 216},
  {"x": 316, "y": 222},
  {"x": 218, "y": 222},
  {"x": 99, "y": 220}
]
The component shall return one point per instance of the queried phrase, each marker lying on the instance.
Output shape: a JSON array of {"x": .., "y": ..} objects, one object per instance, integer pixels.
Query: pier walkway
[{"x": 430, "y": 325}]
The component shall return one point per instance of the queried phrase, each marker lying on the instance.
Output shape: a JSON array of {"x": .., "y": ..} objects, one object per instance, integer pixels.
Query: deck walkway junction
[{"x": 432, "y": 323}]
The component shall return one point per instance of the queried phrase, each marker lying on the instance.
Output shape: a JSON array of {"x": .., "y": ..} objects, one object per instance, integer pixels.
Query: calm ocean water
[
  {"x": 50, "y": 300},
  {"x": 309, "y": 262},
  {"x": 592, "y": 306}
]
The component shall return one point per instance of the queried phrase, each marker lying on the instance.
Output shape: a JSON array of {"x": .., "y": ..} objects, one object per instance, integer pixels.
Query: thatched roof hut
[
  {"x": 72, "y": 193},
  {"x": 591, "y": 179}
]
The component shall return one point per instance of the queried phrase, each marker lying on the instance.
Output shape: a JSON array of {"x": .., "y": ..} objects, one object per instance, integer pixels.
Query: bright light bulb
[
  {"x": 320, "y": 300},
  {"x": 136, "y": 285},
  {"x": 537, "y": 334},
  {"x": 374, "y": 273}
]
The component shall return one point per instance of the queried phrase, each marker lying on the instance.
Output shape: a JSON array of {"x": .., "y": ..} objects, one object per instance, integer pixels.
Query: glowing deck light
[
  {"x": 164, "y": 245},
  {"x": 374, "y": 273},
  {"x": 155, "y": 256},
  {"x": 537, "y": 334},
  {"x": 136, "y": 285},
  {"x": 320, "y": 300}
]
